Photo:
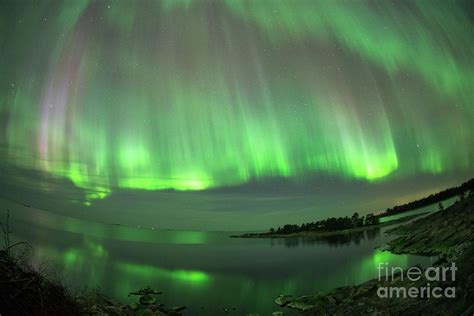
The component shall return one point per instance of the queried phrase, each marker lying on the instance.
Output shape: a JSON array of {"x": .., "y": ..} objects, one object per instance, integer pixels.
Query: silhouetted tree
[
  {"x": 431, "y": 199},
  {"x": 371, "y": 219}
]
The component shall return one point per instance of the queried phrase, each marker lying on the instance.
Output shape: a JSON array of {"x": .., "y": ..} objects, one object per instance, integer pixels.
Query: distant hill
[
  {"x": 431, "y": 199},
  {"x": 357, "y": 222}
]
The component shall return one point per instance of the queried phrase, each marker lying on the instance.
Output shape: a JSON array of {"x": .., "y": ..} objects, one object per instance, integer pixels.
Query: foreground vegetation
[{"x": 25, "y": 290}]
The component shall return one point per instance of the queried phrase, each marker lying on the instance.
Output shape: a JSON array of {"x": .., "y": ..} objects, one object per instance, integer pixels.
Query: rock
[
  {"x": 469, "y": 311},
  {"x": 113, "y": 310},
  {"x": 133, "y": 306},
  {"x": 178, "y": 308},
  {"x": 300, "y": 305},
  {"x": 147, "y": 299},
  {"x": 155, "y": 307},
  {"x": 146, "y": 312},
  {"x": 282, "y": 300},
  {"x": 146, "y": 291},
  {"x": 364, "y": 289},
  {"x": 278, "y": 313},
  {"x": 109, "y": 301},
  {"x": 330, "y": 299},
  {"x": 338, "y": 297}
]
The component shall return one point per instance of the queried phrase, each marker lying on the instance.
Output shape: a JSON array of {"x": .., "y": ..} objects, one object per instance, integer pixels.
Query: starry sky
[{"x": 223, "y": 107}]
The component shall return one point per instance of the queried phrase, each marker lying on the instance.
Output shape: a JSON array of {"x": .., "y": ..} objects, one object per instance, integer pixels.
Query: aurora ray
[{"x": 193, "y": 95}]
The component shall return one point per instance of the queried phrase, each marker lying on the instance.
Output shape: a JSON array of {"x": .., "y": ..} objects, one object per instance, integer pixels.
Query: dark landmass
[
  {"x": 447, "y": 234},
  {"x": 26, "y": 291},
  {"x": 344, "y": 225},
  {"x": 321, "y": 232},
  {"x": 431, "y": 199}
]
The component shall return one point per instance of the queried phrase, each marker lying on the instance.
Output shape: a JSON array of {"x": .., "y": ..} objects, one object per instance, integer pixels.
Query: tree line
[
  {"x": 330, "y": 224},
  {"x": 431, "y": 199},
  {"x": 355, "y": 221}
]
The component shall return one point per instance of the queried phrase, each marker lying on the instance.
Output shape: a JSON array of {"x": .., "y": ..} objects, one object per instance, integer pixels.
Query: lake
[{"x": 206, "y": 271}]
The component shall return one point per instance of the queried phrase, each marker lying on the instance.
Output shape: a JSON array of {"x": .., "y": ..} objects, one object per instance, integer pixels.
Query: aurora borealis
[{"x": 203, "y": 95}]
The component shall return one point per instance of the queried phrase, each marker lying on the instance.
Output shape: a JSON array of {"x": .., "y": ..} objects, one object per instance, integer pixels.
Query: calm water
[{"x": 205, "y": 271}]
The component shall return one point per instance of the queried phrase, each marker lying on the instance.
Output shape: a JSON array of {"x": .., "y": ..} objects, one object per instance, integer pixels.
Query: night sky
[{"x": 207, "y": 110}]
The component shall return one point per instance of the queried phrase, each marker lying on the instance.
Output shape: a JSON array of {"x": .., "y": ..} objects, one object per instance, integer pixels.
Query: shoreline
[
  {"x": 315, "y": 235},
  {"x": 447, "y": 234},
  {"x": 26, "y": 291}
]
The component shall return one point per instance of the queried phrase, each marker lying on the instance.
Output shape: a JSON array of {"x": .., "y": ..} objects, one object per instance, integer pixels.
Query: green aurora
[{"x": 193, "y": 95}]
